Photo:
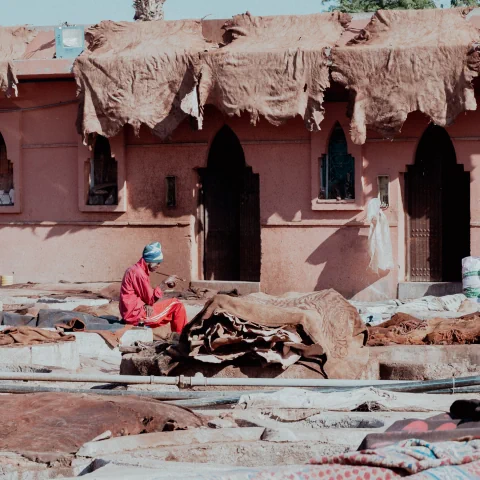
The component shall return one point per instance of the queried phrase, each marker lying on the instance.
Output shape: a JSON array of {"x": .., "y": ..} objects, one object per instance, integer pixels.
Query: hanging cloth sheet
[{"x": 379, "y": 241}]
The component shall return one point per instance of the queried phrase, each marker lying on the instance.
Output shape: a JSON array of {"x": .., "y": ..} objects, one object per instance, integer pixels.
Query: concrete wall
[{"x": 306, "y": 245}]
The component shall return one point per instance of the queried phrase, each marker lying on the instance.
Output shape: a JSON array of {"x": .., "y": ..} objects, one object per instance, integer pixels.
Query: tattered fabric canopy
[
  {"x": 408, "y": 60},
  {"x": 275, "y": 67},
  {"x": 139, "y": 73},
  {"x": 13, "y": 43}
]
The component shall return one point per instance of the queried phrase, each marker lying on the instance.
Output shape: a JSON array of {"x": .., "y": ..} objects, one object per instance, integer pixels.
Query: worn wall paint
[{"x": 302, "y": 249}]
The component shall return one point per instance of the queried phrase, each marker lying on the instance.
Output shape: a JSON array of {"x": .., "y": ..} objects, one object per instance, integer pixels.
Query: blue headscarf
[{"x": 152, "y": 253}]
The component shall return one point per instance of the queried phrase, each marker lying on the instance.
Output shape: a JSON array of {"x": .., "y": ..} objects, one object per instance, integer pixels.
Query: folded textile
[
  {"x": 51, "y": 318},
  {"x": 413, "y": 459},
  {"x": 32, "y": 336},
  {"x": 111, "y": 337},
  {"x": 320, "y": 327},
  {"x": 440, "y": 428}
]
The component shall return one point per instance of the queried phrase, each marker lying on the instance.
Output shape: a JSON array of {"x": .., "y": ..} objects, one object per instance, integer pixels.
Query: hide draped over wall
[
  {"x": 13, "y": 43},
  {"x": 275, "y": 67},
  {"x": 407, "y": 60},
  {"x": 158, "y": 73},
  {"x": 139, "y": 73}
]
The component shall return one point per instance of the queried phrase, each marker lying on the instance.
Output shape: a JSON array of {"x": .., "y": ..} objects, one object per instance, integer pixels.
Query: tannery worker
[{"x": 140, "y": 303}]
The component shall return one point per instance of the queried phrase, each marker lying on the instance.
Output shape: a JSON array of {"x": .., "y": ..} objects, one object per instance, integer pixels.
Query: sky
[{"x": 54, "y": 12}]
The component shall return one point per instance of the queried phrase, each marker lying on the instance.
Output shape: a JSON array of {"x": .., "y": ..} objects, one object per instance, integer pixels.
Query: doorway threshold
[
  {"x": 243, "y": 288},
  {"x": 413, "y": 290}
]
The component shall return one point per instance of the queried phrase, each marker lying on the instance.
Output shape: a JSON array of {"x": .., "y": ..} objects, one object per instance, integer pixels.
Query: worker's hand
[{"x": 149, "y": 311}]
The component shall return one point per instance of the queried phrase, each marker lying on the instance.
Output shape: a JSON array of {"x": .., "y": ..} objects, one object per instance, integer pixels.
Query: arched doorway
[
  {"x": 438, "y": 210},
  {"x": 231, "y": 213}
]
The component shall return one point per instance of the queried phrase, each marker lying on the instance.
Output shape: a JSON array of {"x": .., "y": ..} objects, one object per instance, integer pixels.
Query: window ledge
[
  {"x": 10, "y": 209},
  {"x": 336, "y": 205},
  {"x": 103, "y": 208}
]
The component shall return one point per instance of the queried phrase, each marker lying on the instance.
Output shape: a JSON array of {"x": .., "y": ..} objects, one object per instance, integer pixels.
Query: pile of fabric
[
  {"x": 110, "y": 328},
  {"x": 404, "y": 329},
  {"x": 448, "y": 306},
  {"x": 414, "y": 459},
  {"x": 319, "y": 330}
]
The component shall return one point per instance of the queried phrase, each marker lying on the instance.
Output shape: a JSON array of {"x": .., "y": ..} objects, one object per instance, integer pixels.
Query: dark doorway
[
  {"x": 438, "y": 210},
  {"x": 231, "y": 212}
]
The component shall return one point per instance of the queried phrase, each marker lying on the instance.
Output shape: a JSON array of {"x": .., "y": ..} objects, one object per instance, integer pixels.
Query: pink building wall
[{"x": 305, "y": 245}]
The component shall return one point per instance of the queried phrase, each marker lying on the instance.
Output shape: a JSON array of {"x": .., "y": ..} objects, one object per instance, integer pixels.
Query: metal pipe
[
  {"x": 162, "y": 396},
  {"x": 433, "y": 385},
  {"x": 183, "y": 399},
  {"x": 165, "y": 396},
  {"x": 182, "y": 381}
]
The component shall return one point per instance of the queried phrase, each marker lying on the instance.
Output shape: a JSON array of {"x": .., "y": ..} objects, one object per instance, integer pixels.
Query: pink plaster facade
[{"x": 51, "y": 235}]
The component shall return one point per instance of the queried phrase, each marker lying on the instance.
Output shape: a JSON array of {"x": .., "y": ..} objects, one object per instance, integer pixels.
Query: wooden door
[
  {"x": 423, "y": 185},
  {"x": 231, "y": 206},
  {"x": 250, "y": 244},
  {"x": 438, "y": 211},
  {"x": 222, "y": 226}
]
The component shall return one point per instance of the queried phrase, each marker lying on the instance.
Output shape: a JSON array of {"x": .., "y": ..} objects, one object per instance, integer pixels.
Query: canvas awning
[
  {"x": 408, "y": 60},
  {"x": 139, "y": 73},
  {"x": 275, "y": 67},
  {"x": 13, "y": 43}
]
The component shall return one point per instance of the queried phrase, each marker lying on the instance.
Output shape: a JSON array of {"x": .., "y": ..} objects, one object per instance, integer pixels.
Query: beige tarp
[
  {"x": 13, "y": 43},
  {"x": 139, "y": 73},
  {"x": 276, "y": 67},
  {"x": 406, "y": 61}
]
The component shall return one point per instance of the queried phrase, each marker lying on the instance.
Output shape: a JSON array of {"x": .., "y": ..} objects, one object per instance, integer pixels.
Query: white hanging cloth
[{"x": 379, "y": 241}]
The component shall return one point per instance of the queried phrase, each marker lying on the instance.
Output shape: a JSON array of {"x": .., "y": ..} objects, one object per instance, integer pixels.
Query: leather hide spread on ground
[
  {"x": 275, "y": 67},
  {"x": 51, "y": 425},
  {"x": 32, "y": 336},
  {"x": 408, "y": 60},
  {"x": 317, "y": 327},
  {"x": 13, "y": 43},
  {"x": 138, "y": 73},
  {"x": 405, "y": 329}
]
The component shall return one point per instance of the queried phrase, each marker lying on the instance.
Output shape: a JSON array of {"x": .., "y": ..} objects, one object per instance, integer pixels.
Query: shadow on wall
[{"x": 345, "y": 258}]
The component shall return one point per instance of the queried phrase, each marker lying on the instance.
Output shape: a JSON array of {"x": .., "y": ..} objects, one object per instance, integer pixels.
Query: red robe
[{"x": 136, "y": 292}]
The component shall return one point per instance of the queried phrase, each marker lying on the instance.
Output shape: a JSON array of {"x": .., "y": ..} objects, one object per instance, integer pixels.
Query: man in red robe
[{"x": 140, "y": 303}]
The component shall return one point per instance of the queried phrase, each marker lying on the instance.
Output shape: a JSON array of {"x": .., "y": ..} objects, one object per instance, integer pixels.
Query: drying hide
[
  {"x": 275, "y": 67},
  {"x": 138, "y": 73},
  {"x": 13, "y": 43},
  {"x": 49, "y": 426},
  {"x": 408, "y": 60},
  {"x": 319, "y": 328},
  {"x": 403, "y": 329},
  {"x": 32, "y": 336}
]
